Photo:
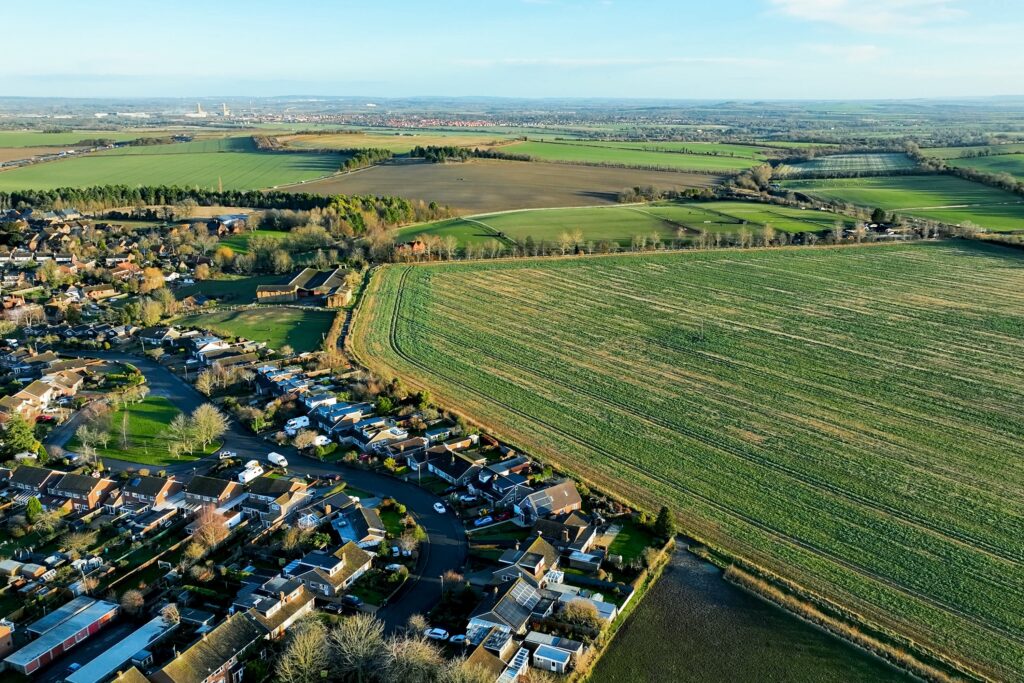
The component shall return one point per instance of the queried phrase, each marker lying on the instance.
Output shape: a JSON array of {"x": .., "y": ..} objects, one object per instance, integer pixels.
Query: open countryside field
[
  {"x": 399, "y": 142},
  {"x": 484, "y": 185},
  {"x": 656, "y": 155},
  {"x": 850, "y": 163},
  {"x": 846, "y": 417},
  {"x": 36, "y": 138},
  {"x": 278, "y": 326},
  {"x": 622, "y": 223},
  {"x": 936, "y": 197},
  {"x": 234, "y": 163},
  {"x": 958, "y": 152},
  {"x": 1001, "y": 163}
]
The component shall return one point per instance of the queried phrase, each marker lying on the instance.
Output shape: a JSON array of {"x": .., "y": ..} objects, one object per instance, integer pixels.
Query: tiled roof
[{"x": 216, "y": 648}]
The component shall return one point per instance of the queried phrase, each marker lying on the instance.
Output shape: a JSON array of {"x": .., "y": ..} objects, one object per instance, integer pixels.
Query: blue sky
[{"x": 682, "y": 49}]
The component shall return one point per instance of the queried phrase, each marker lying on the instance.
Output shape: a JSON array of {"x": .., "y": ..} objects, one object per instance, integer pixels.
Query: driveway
[{"x": 445, "y": 549}]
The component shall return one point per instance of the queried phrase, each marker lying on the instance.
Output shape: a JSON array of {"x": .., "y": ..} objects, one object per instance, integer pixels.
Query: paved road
[{"x": 446, "y": 547}]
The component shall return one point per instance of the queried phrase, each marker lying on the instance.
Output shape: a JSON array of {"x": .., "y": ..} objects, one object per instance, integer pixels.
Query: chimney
[
  {"x": 565, "y": 535},
  {"x": 327, "y": 509},
  {"x": 280, "y": 595}
]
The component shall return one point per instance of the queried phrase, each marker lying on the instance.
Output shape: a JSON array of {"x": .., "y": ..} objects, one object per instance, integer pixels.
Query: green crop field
[
  {"x": 996, "y": 163},
  {"x": 850, "y": 163},
  {"x": 398, "y": 141},
  {"x": 621, "y": 223},
  {"x": 960, "y": 152},
  {"x": 634, "y": 154},
  {"x": 847, "y": 417},
  {"x": 936, "y": 197},
  {"x": 32, "y": 138},
  {"x": 232, "y": 163},
  {"x": 301, "y": 329}
]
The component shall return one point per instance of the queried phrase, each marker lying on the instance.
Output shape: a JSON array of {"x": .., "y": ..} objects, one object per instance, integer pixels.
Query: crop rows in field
[
  {"x": 943, "y": 198},
  {"x": 847, "y": 417},
  {"x": 850, "y": 163},
  {"x": 662, "y": 155}
]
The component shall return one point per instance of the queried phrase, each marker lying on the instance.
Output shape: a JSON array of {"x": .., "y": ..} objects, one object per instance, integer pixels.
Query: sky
[{"x": 666, "y": 49}]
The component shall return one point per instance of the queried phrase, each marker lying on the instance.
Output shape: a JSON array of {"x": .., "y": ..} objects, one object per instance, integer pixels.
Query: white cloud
[{"x": 872, "y": 15}]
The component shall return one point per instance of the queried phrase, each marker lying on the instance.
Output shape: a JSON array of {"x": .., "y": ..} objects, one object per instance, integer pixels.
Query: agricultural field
[
  {"x": 850, "y": 163},
  {"x": 659, "y": 155},
  {"x": 996, "y": 163},
  {"x": 484, "y": 185},
  {"x": 846, "y": 417},
  {"x": 231, "y": 162},
  {"x": 962, "y": 152},
  {"x": 935, "y": 197},
  {"x": 36, "y": 138},
  {"x": 147, "y": 441},
  {"x": 399, "y": 141},
  {"x": 302, "y": 329},
  {"x": 621, "y": 223}
]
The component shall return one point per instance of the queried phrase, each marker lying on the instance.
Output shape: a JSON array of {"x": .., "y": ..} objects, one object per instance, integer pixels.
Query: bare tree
[
  {"x": 305, "y": 438},
  {"x": 132, "y": 602},
  {"x": 358, "y": 647},
  {"x": 306, "y": 657},
  {"x": 210, "y": 527},
  {"x": 209, "y": 424}
]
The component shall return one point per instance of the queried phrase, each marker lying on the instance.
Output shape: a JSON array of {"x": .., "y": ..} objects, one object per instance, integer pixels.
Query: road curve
[{"x": 446, "y": 547}]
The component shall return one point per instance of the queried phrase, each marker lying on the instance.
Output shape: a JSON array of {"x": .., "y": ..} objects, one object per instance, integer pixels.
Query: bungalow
[
  {"x": 553, "y": 500},
  {"x": 217, "y": 656},
  {"x": 329, "y": 574},
  {"x": 569, "y": 532},
  {"x": 210, "y": 490},
  {"x": 276, "y": 604},
  {"x": 456, "y": 468},
  {"x": 362, "y": 526},
  {"x": 503, "y": 490},
  {"x": 158, "y": 336},
  {"x": 99, "y": 292},
  {"x": 313, "y": 401},
  {"x": 532, "y": 563},
  {"x": 313, "y": 515},
  {"x": 440, "y": 433},
  {"x": 402, "y": 450},
  {"x": 509, "y": 608}
]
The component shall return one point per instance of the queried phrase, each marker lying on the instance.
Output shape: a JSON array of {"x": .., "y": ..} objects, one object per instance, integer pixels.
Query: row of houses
[{"x": 48, "y": 377}]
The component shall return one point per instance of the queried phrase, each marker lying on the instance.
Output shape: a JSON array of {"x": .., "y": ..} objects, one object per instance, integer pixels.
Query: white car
[
  {"x": 439, "y": 508},
  {"x": 226, "y": 455},
  {"x": 322, "y": 440},
  {"x": 459, "y": 639},
  {"x": 394, "y": 567},
  {"x": 436, "y": 634}
]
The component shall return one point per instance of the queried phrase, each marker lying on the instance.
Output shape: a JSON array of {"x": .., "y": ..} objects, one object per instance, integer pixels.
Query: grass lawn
[
  {"x": 234, "y": 290},
  {"x": 503, "y": 531},
  {"x": 240, "y": 243},
  {"x": 392, "y": 520},
  {"x": 937, "y": 197},
  {"x": 301, "y": 329},
  {"x": 631, "y": 541},
  {"x": 147, "y": 444}
]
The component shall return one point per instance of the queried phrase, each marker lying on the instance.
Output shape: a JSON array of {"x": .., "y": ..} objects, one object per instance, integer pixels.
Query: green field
[
  {"x": 850, "y": 163},
  {"x": 958, "y": 152},
  {"x": 847, "y": 417},
  {"x": 147, "y": 443},
  {"x": 621, "y": 223},
  {"x": 1000, "y": 163},
  {"x": 947, "y": 199},
  {"x": 399, "y": 141},
  {"x": 240, "y": 243},
  {"x": 303, "y": 330},
  {"x": 206, "y": 164},
  {"x": 232, "y": 290},
  {"x": 33, "y": 138},
  {"x": 729, "y": 157}
]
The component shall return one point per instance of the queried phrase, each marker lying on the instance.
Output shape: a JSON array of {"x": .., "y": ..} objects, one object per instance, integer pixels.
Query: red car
[
  {"x": 503, "y": 515},
  {"x": 45, "y": 418}
]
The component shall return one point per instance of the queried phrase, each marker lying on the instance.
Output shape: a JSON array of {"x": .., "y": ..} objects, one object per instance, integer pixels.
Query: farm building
[
  {"x": 309, "y": 282},
  {"x": 62, "y": 637},
  {"x": 122, "y": 652}
]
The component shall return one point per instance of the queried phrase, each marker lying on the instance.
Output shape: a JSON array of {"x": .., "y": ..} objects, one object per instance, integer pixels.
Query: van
[
  {"x": 295, "y": 424},
  {"x": 248, "y": 474},
  {"x": 277, "y": 459}
]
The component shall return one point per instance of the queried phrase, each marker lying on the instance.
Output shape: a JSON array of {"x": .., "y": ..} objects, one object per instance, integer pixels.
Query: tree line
[
  {"x": 441, "y": 153},
  {"x": 1002, "y": 181}
]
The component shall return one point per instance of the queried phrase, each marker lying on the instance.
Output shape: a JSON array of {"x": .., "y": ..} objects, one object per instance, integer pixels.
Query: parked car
[
  {"x": 503, "y": 515},
  {"x": 483, "y": 520},
  {"x": 226, "y": 455},
  {"x": 459, "y": 639},
  {"x": 75, "y": 666},
  {"x": 406, "y": 552},
  {"x": 322, "y": 440},
  {"x": 468, "y": 499},
  {"x": 352, "y": 600},
  {"x": 333, "y": 608},
  {"x": 436, "y": 634},
  {"x": 393, "y": 567},
  {"x": 395, "y": 552},
  {"x": 439, "y": 508},
  {"x": 277, "y": 459}
]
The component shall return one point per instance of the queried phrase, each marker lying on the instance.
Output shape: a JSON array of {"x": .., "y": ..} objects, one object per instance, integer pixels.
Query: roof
[
  {"x": 78, "y": 483},
  {"x": 555, "y": 497},
  {"x": 216, "y": 648},
  {"x": 132, "y": 675},
  {"x": 121, "y": 652},
  {"x": 552, "y": 654},
  {"x": 273, "y": 487},
  {"x": 289, "y": 610},
  {"x": 64, "y": 630},
  {"x": 210, "y": 487},
  {"x": 58, "y": 615},
  {"x": 511, "y": 605},
  {"x": 481, "y": 659},
  {"x": 147, "y": 486},
  {"x": 35, "y": 477},
  {"x": 351, "y": 554}
]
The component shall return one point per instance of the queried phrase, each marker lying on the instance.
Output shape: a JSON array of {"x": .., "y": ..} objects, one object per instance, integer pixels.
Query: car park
[{"x": 436, "y": 634}]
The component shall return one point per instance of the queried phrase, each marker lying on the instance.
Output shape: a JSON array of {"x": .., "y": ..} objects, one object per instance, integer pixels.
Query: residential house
[
  {"x": 276, "y": 604},
  {"x": 272, "y": 500},
  {"x": 99, "y": 292},
  {"x": 313, "y": 515},
  {"x": 569, "y": 531},
  {"x": 503, "y": 490},
  {"x": 552, "y": 500},
  {"x": 457, "y": 468},
  {"x": 218, "y": 656},
  {"x": 210, "y": 491},
  {"x": 84, "y": 492},
  {"x": 362, "y": 526},
  {"x": 509, "y": 607},
  {"x": 158, "y": 336},
  {"x": 402, "y": 450},
  {"x": 532, "y": 562},
  {"x": 33, "y": 480},
  {"x": 151, "y": 492},
  {"x": 329, "y": 574}
]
